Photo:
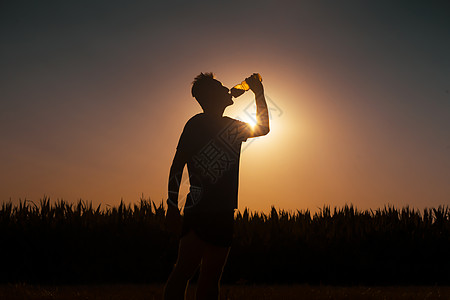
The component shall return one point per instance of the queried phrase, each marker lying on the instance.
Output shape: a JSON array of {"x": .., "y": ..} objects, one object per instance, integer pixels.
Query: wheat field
[
  {"x": 54, "y": 243},
  {"x": 228, "y": 292}
]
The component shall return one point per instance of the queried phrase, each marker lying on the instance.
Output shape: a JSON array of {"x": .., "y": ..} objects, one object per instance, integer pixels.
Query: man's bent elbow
[{"x": 261, "y": 130}]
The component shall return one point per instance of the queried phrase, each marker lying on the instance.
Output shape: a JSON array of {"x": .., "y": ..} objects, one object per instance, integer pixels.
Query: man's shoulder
[
  {"x": 234, "y": 121},
  {"x": 198, "y": 116},
  {"x": 201, "y": 122},
  {"x": 195, "y": 120}
]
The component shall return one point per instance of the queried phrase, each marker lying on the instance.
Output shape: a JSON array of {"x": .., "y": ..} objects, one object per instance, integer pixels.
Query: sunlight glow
[{"x": 252, "y": 123}]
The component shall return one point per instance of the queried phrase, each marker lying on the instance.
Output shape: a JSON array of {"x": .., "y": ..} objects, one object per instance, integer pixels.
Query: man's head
[{"x": 210, "y": 93}]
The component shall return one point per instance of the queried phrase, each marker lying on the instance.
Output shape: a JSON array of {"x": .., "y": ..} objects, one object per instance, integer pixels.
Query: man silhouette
[{"x": 210, "y": 145}]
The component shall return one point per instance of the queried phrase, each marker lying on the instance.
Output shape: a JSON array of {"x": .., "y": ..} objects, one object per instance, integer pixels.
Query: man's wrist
[{"x": 259, "y": 94}]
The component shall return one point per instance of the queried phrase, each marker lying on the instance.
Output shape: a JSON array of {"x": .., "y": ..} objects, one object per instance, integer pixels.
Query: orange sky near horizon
[{"x": 360, "y": 108}]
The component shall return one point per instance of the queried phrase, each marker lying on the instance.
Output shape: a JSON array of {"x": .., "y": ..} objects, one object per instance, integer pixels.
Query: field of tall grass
[
  {"x": 227, "y": 292},
  {"x": 64, "y": 243}
]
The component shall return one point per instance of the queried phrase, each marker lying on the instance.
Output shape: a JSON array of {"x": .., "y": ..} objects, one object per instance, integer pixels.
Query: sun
[{"x": 252, "y": 123}]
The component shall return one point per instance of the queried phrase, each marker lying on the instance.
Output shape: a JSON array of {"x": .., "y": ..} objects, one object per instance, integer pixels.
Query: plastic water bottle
[{"x": 239, "y": 89}]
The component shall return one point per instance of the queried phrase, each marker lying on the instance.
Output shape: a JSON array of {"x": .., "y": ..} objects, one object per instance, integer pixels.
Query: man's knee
[
  {"x": 189, "y": 257},
  {"x": 212, "y": 277},
  {"x": 213, "y": 262},
  {"x": 183, "y": 272},
  {"x": 211, "y": 273}
]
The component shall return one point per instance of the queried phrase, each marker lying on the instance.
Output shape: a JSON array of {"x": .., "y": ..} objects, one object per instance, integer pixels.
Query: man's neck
[{"x": 215, "y": 114}]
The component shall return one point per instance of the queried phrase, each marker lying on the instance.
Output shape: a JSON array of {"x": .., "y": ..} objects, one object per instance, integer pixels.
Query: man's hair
[
  {"x": 200, "y": 83},
  {"x": 201, "y": 86}
]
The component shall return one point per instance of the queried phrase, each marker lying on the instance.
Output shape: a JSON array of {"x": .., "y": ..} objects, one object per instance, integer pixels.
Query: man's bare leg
[
  {"x": 214, "y": 259},
  {"x": 190, "y": 253}
]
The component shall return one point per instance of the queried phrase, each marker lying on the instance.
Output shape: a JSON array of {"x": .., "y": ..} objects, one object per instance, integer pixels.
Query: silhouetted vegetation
[{"x": 78, "y": 243}]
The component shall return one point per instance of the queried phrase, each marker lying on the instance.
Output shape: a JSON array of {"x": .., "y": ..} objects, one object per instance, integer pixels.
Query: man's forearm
[
  {"x": 175, "y": 176},
  {"x": 262, "y": 113}
]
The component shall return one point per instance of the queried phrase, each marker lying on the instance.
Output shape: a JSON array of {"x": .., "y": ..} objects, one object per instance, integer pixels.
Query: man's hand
[
  {"x": 255, "y": 85},
  {"x": 173, "y": 219}
]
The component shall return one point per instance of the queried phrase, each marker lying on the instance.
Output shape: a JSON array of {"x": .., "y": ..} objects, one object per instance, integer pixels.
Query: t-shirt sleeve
[
  {"x": 236, "y": 132},
  {"x": 243, "y": 130}
]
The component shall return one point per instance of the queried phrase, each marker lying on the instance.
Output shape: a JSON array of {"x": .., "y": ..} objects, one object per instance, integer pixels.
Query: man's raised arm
[{"x": 262, "y": 112}]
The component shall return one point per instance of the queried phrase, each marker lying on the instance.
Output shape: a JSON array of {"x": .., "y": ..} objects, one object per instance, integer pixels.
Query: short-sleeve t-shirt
[{"x": 211, "y": 146}]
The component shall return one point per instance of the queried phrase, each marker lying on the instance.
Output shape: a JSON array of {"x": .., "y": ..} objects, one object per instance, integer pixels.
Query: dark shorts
[{"x": 213, "y": 228}]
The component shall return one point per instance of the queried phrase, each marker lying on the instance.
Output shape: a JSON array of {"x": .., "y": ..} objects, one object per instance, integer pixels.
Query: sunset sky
[{"x": 95, "y": 94}]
